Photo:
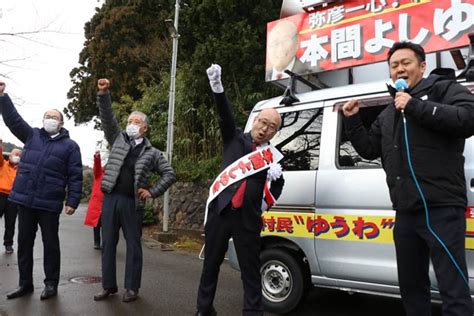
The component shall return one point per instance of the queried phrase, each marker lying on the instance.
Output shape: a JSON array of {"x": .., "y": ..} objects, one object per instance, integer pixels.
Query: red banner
[{"x": 358, "y": 32}]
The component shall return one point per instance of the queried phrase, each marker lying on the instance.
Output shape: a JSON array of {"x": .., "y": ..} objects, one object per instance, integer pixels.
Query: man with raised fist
[
  {"x": 49, "y": 179},
  {"x": 126, "y": 185},
  {"x": 236, "y": 211}
]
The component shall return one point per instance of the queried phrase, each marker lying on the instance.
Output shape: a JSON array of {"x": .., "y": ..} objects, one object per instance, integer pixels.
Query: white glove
[{"x": 214, "y": 75}]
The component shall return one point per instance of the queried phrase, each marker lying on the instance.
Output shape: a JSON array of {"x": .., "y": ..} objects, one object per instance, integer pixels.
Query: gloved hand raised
[{"x": 214, "y": 75}]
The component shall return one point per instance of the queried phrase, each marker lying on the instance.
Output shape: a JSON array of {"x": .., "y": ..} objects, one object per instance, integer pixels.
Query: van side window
[
  {"x": 347, "y": 156},
  {"x": 299, "y": 139}
]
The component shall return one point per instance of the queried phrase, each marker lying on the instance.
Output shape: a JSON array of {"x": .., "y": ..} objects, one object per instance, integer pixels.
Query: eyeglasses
[{"x": 267, "y": 125}]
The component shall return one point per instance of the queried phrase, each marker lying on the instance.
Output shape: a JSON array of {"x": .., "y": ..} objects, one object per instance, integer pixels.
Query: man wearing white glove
[{"x": 236, "y": 211}]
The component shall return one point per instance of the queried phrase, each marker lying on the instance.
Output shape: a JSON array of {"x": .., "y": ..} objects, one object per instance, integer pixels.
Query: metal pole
[{"x": 172, "y": 92}]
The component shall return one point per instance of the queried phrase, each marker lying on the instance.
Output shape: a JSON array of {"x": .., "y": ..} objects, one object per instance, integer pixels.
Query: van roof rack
[{"x": 289, "y": 96}]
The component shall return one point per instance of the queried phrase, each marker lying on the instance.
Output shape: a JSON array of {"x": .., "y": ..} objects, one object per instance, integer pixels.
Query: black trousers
[
  {"x": 9, "y": 210},
  {"x": 415, "y": 245},
  {"x": 28, "y": 221},
  {"x": 97, "y": 233},
  {"x": 219, "y": 229},
  {"x": 119, "y": 211}
]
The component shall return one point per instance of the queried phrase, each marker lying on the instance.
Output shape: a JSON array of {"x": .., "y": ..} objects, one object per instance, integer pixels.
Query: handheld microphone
[{"x": 401, "y": 85}]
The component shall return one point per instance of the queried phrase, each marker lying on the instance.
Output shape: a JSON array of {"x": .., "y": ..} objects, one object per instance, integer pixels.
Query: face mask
[
  {"x": 15, "y": 160},
  {"x": 133, "y": 131},
  {"x": 51, "y": 126}
]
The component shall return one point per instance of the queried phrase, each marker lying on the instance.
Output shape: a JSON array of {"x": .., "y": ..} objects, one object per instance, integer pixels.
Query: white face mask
[
  {"x": 51, "y": 126},
  {"x": 133, "y": 131},
  {"x": 15, "y": 160}
]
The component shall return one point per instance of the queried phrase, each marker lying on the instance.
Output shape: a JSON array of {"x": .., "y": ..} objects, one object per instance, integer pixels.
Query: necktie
[{"x": 238, "y": 198}]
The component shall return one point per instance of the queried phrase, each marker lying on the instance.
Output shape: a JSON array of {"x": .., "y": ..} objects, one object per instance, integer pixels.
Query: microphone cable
[{"x": 425, "y": 205}]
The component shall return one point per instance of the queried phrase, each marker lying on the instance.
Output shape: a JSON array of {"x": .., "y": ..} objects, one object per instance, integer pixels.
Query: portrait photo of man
[{"x": 282, "y": 45}]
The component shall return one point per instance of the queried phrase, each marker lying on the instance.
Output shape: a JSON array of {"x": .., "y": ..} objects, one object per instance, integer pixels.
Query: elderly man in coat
[
  {"x": 132, "y": 162},
  {"x": 49, "y": 178}
]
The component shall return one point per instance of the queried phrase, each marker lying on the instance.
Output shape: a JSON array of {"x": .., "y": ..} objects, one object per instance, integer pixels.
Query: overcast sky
[{"x": 38, "y": 65}]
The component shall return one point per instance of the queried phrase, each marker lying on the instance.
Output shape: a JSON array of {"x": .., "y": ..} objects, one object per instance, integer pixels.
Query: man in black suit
[{"x": 236, "y": 211}]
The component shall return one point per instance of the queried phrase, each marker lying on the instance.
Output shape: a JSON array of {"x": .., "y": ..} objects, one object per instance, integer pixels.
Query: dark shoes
[
  {"x": 210, "y": 313},
  {"x": 97, "y": 246},
  {"x": 20, "y": 291},
  {"x": 48, "y": 292},
  {"x": 8, "y": 249},
  {"x": 104, "y": 294},
  {"x": 129, "y": 296}
]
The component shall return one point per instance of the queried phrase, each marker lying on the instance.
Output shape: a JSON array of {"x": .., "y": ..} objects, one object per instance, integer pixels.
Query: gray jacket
[{"x": 150, "y": 160}]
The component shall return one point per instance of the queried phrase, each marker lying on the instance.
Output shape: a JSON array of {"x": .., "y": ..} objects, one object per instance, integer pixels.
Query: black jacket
[
  {"x": 439, "y": 117},
  {"x": 237, "y": 144}
]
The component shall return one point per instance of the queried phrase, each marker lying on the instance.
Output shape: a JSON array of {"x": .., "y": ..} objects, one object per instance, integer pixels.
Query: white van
[{"x": 332, "y": 226}]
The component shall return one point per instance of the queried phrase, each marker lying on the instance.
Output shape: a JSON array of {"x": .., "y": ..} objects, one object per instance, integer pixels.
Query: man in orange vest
[{"x": 7, "y": 176}]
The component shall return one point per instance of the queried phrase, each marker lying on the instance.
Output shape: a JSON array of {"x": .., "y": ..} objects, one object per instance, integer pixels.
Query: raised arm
[
  {"x": 224, "y": 108},
  {"x": 109, "y": 122},
  {"x": 366, "y": 143},
  {"x": 12, "y": 119}
]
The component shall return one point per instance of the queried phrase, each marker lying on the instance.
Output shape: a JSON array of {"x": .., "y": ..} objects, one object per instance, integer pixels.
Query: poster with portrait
[{"x": 357, "y": 32}]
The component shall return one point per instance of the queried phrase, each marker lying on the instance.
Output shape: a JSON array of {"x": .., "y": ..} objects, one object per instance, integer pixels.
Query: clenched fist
[
  {"x": 214, "y": 72},
  {"x": 214, "y": 75},
  {"x": 401, "y": 100},
  {"x": 350, "y": 108},
  {"x": 2, "y": 87},
  {"x": 69, "y": 210},
  {"x": 103, "y": 84}
]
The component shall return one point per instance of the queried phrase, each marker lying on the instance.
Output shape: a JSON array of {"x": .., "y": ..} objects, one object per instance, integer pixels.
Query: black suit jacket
[{"x": 236, "y": 144}]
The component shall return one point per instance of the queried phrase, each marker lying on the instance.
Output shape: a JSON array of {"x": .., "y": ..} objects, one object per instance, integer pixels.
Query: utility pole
[{"x": 173, "y": 29}]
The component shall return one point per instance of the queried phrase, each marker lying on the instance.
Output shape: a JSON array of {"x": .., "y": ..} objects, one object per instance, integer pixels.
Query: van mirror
[{"x": 289, "y": 96}]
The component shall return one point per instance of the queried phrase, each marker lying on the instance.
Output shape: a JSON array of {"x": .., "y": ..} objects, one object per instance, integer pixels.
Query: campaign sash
[{"x": 248, "y": 165}]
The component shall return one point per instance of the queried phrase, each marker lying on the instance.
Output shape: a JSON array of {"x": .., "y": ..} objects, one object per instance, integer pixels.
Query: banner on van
[
  {"x": 357, "y": 32},
  {"x": 342, "y": 227}
]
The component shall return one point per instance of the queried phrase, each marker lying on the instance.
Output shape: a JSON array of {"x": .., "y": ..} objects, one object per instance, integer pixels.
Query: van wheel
[{"x": 282, "y": 281}]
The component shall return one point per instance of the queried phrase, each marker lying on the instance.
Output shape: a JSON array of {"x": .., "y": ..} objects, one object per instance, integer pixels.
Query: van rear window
[{"x": 299, "y": 139}]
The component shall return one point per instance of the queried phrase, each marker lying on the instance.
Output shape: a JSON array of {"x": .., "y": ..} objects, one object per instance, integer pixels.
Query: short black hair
[{"x": 417, "y": 49}]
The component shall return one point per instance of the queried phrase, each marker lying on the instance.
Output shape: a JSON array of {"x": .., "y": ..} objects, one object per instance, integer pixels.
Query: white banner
[{"x": 243, "y": 167}]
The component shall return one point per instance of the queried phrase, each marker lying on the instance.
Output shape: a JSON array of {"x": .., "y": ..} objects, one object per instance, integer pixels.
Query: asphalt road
[{"x": 169, "y": 284}]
